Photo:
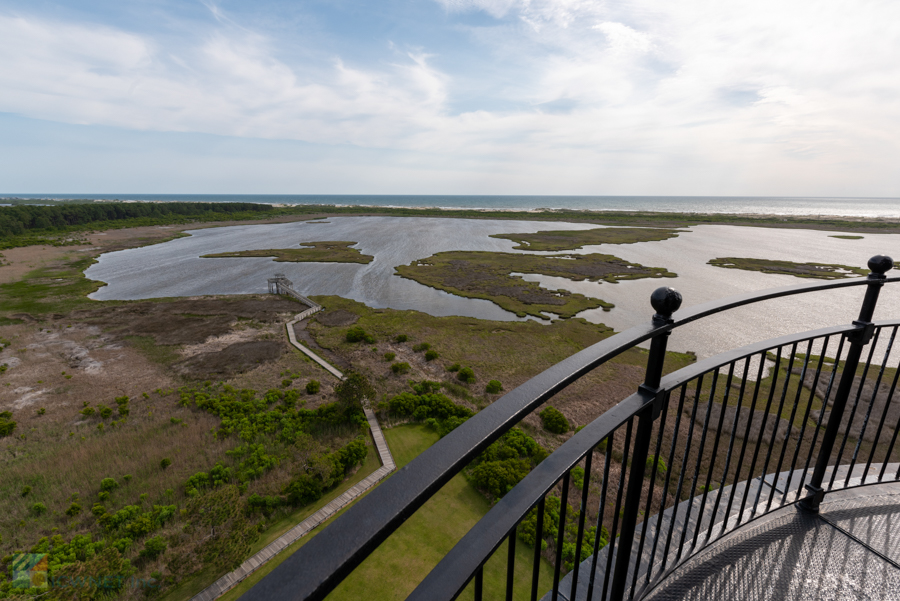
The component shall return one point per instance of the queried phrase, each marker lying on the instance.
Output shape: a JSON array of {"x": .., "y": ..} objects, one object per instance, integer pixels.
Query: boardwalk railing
[{"x": 688, "y": 458}]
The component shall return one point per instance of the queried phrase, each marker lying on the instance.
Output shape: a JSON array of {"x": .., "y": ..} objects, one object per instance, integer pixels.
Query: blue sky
[{"x": 641, "y": 97}]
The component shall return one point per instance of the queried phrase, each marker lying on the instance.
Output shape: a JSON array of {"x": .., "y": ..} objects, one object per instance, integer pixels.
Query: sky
[{"x": 553, "y": 97}]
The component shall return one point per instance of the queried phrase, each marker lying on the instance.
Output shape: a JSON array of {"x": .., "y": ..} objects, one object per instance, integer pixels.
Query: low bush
[
  {"x": 87, "y": 411},
  {"x": 26, "y": 490},
  {"x": 554, "y": 421},
  {"x": 286, "y": 383},
  {"x": 466, "y": 375},
  {"x": 660, "y": 467},
  {"x": 400, "y": 368},
  {"x": 105, "y": 412},
  {"x": 422, "y": 346},
  {"x": 389, "y": 356},
  {"x": 38, "y": 509},
  {"x": 431, "y": 355},
  {"x": 313, "y": 387},
  {"x": 165, "y": 462},
  {"x": 493, "y": 387},
  {"x": 357, "y": 334},
  {"x": 73, "y": 510},
  {"x": 153, "y": 548},
  {"x": 454, "y": 367},
  {"x": 401, "y": 338},
  {"x": 108, "y": 484}
]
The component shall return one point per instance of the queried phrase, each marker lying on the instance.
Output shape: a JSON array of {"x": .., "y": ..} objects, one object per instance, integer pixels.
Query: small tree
[
  {"x": 312, "y": 387},
  {"x": 354, "y": 390},
  {"x": 108, "y": 484}
]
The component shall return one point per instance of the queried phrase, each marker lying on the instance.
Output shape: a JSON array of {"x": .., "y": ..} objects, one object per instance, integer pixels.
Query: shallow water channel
[{"x": 176, "y": 269}]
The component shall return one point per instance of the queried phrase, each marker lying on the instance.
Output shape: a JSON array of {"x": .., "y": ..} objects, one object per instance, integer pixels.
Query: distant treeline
[{"x": 28, "y": 219}]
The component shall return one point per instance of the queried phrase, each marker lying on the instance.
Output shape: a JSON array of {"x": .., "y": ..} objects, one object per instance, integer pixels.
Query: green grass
[
  {"x": 488, "y": 275},
  {"x": 400, "y": 563},
  {"x": 320, "y": 252},
  {"x": 49, "y": 290},
  {"x": 574, "y": 239}
]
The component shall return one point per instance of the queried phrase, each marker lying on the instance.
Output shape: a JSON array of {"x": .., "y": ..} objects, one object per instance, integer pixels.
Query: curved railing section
[{"x": 698, "y": 450}]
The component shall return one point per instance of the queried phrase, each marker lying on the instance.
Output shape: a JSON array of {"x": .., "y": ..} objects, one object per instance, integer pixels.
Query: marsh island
[
  {"x": 493, "y": 276},
  {"x": 310, "y": 252},
  {"x": 575, "y": 239}
]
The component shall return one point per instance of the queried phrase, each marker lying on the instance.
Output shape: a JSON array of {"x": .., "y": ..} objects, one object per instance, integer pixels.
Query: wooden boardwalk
[{"x": 232, "y": 579}]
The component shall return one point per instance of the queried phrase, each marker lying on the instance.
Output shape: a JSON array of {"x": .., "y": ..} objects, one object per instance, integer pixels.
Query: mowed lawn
[{"x": 401, "y": 562}]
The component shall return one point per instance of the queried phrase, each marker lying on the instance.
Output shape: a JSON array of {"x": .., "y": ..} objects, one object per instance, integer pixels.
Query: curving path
[{"x": 232, "y": 579}]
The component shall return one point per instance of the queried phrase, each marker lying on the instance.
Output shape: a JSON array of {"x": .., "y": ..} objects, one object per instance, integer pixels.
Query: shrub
[
  {"x": 153, "y": 547},
  {"x": 355, "y": 334},
  {"x": 165, "y": 462},
  {"x": 401, "y": 338},
  {"x": 38, "y": 509},
  {"x": 73, "y": 510},
  {"x": 41, "y": 411},
  {"x": 493, "y": 387},
  {"x": 108, "y": 484},
  {"x": 103, "y": 495},
  {"x": 87, "y": 411},
  {"x": 454, "y": 367},
  {"x": 389, "y": 356},
  {"x": 26, "y": 490},
  {"x": 422, "y": 346},
  {"x": 660, "y": 467},
  {"x": 554, "y": 421},
  {"x": 286, "y": 383},
  {"x": 312, "y": 387},
  {"x": 105, "y": 412},
  {"x": 431, "y": 355},
  {"x": 466, "y": 375},
  {"x": 400, "y": 368},
  {"x": 127, "y": 477}
]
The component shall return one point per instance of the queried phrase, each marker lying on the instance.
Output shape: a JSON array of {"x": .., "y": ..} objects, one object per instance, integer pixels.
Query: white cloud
[{"x": 746, "y": 97}]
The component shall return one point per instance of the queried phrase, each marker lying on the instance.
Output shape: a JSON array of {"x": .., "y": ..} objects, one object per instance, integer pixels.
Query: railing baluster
[
  {"x": 699, "y": 462},
  {"x": 560, "y": 535},
  {"x": 790, "y": 425},
  {"x": 677, "y": 498},
  {"x": 809, "y": 402},
  {"x": 665, "y": 489},
  {"x": 479, "y": 583},
  {"x": 762, "y": 430},
  {"x": 649, "y": 506},
  {"x": 887, "y": 405},
  {"x": 784, "y": 391},
  {"x": 831, "y": 380},
  {"x": 862, "y": 431},
  {"x": 859, "y": 391},
  {"x": 684, "y": 461},
  {"x": 538, "y": 538},
  {"x": 712, "y": 459},
  {"x": 740, "y": 461},
  {"x": 613, "y": 539},
  {"x": 582, "y": 514},
  {"x": 666, "y": 301},
  {"x": 734, "y": 427},
  {"x": 511, "y": 565},
  {"x": 603, "y": 490},
  {"x": 858, "y": 339}
]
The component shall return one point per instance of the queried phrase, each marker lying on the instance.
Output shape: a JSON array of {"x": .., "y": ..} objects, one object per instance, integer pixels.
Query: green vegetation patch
[
  {"x": 823, "y": 271},
  {"x": 488, "y": 275},
  {"x": 571, "y": 240},
  {"x": 311, "y": 252}
]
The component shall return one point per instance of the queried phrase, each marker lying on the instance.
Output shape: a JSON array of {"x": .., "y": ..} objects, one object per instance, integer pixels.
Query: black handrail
[{"x": 313, "y": 571}]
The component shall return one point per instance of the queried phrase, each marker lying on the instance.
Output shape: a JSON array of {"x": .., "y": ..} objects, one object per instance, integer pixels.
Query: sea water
[
  {"x": 797, "y": 206},
  {"x": 176, "y": 269}
]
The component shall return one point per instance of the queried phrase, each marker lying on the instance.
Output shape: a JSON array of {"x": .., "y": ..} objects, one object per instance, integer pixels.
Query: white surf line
[{"x": 232, "y": 579}]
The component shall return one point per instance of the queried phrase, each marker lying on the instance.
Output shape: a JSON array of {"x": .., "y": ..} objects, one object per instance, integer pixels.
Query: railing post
[
  {"x": 858, "y": 339},
  {"x": 666, "y": 301}
]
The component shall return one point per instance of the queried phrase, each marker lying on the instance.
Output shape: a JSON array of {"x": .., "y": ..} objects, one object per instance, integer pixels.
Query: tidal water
[
  {"x": 176, "y": 269},
  {"x": 774, "y": 205}
]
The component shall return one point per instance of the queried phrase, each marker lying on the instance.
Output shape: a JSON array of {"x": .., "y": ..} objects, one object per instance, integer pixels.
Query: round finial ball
[
  {"x": 881, "y": 264},
  {"x": 665, "y": 300}
]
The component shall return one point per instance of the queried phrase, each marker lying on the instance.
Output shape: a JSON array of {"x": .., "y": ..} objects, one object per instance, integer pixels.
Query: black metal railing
[{"x": 688, "y": 458}]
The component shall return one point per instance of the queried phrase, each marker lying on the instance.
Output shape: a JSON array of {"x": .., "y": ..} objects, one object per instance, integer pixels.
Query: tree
[{"x": 354, "y": 391}]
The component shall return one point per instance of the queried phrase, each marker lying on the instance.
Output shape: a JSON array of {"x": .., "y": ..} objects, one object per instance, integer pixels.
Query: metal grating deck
[{"x": 851, "y": 551}]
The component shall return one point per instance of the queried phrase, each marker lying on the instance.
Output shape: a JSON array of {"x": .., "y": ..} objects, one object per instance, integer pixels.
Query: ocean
[{"x": 843, "y": 207}]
